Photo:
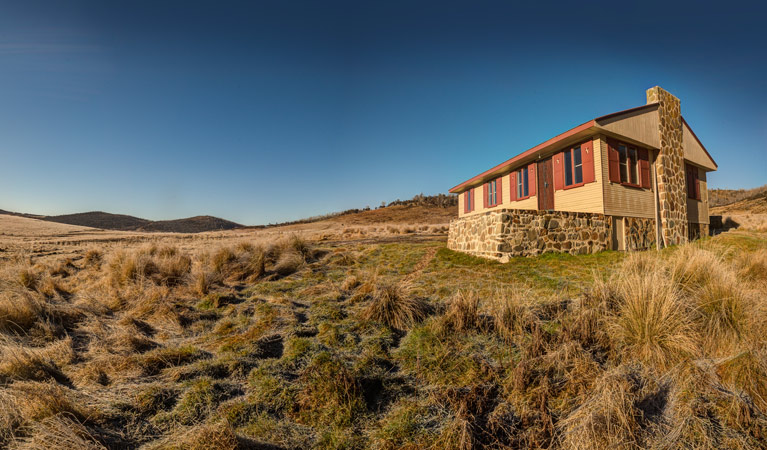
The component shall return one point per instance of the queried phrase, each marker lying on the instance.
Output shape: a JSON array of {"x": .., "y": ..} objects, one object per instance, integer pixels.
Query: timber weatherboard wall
[
  {"x": 588, "y": 197},
  {"x": 627, "y": 201}
]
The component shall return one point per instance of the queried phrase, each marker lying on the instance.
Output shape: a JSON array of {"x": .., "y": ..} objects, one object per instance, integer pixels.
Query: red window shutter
[
  {"x": 484, "y": 196},
  {"x": 697, "y": 183},
  {"x": 466, "y": 202},
  {"x": 558, "y": 161},
  {"x": 644, "y": 168},
  {"x": 499, "y": 191},
  {"x": 587, "y": 159},
  {"x": 531, "y": 179},
  {"x": 513, "y": 182},
  {"x": 614, "y": 162}
]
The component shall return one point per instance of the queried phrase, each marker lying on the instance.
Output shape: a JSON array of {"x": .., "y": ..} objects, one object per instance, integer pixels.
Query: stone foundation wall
[
  {"x": 697, "y": 230},
  {"x": 640, "y": 233},
  {"x": 500, "y": 234}
]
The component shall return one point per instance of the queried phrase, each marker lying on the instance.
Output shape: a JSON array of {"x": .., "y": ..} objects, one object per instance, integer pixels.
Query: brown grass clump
[
  {"x": 25, "y": 363},
  {"x": 19, "y": 310},
  {"x": 511, "y": 315},
  {"x": 200, "y": 437},
  {"x": 395, "y": 306},
  {"x": 608, "y": 418},
  {"x": 462, "y": 313},
  {"x": 59, "y": 432},
  {"x": 753, "y": 266},
  {"x": 652, "y": 323},
  {"x": 93, "y": 258},
  {"x": 288, "y": 263}
]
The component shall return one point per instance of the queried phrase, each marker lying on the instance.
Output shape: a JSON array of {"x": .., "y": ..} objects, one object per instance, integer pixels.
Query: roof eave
[{"x": 489, "y": 174}]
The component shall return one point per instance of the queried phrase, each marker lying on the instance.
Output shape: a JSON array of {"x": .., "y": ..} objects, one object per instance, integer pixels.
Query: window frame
[
  {"x": 568, "y": 156},
  {"x": 694, "y": 193},
  {"x": 469, "y": 201},
  {"x": 492, "y": 193},
  {"x": 523, "y": 183},
  {"x": 630, "y": 169}
]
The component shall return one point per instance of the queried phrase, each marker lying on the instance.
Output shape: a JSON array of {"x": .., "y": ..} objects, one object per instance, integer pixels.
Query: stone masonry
[
  {"x": 640, "y": 233},
  {"x": 502, "y": 233},
  {"x": 670, "y": 168}
]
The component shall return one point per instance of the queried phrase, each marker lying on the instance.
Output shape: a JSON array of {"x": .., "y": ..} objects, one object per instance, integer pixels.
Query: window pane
[
  {"x": 634, "y": 166},
  {"x": 525, "y": 184},
  {"x": 568, "y": 168},
  {"x": 519, "y": 183},
  {"x": 623, "y": 163},
  {"x": 578, "y": 165}
]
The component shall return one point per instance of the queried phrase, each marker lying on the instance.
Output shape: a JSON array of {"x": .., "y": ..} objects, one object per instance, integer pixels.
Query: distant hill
[
  {"x": 100, "y": 219},
  {"x": 195, "y": 224},
  {"x": 721, "y": 197},
  {"x": 753, "y": 204},
  {"x": 122, "y": 222}
]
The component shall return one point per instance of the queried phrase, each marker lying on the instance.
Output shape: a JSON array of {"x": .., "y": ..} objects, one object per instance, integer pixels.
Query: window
[
  {"x": 629, "y": 164},
  {"x": 469, "y": 201},
  {"x": 573, "y": 166},
  {"x": 522, "y": 183},
  {"x": 693, "y": 188},
  {"x": 491, "y": 193}
]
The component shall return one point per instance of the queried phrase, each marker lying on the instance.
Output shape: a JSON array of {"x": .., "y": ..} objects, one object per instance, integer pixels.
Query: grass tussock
[
  {"x": 652, "y": 323},
  {"x": 395, "y": 305}
]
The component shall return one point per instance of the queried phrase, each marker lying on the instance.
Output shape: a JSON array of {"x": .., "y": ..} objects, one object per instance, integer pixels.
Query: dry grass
[
  {"x": 394, "y": 305},
  {"x": 652, "y": 323},
  {"x": 227, "y": 341}
]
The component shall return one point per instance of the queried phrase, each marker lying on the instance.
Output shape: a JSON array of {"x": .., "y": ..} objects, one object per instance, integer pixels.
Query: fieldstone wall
[
  {"x": 698, "y": 230},
  {"x": 640, "y": 233},
  {"x": 670, "y": 168},
  {"x": 500, "y": 234}
]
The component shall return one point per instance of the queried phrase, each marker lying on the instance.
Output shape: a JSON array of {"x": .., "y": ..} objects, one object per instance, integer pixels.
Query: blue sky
[{"x": 262, "y": 112}]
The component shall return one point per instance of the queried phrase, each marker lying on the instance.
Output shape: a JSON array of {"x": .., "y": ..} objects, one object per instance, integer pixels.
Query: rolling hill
[{"x": 122, "y": 222}]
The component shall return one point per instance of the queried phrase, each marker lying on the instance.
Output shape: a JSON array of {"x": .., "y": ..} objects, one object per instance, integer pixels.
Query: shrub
[{"x": 395, "y": 306}]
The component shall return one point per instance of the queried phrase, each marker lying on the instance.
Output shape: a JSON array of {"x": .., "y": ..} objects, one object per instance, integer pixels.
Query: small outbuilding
[{"x": 629, "y": 180}]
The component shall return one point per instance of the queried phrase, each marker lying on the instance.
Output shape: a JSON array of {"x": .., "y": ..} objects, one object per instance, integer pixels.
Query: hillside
[
  {"x": 122, "y": 222},
  {"x": 100, "y": 219},
  {"x": 754, "y": 204},
  {"x": 721, "y": 197},
  {"x": 196, "y": 224}
]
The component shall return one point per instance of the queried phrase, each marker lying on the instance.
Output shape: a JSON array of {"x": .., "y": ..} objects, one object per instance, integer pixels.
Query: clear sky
[{"x": 262, "y": 112}]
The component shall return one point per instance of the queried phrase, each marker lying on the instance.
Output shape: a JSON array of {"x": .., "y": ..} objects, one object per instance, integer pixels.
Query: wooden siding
[
  {"x": 697, "y": 210},
  {"x": 624, "y": 201},
  {"x": 586, "y": 198},
  {"x": 528, "y": 203},
  {"x": 640, "y": 126},
  {"x": 693, "y": 151}
]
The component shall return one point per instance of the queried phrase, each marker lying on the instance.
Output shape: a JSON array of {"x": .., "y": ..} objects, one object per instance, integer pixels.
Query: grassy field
[{"x": 369, "y": 337}]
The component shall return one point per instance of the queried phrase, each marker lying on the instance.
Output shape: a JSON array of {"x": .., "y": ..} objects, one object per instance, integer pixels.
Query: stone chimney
[{"x": 669, "y": 167}]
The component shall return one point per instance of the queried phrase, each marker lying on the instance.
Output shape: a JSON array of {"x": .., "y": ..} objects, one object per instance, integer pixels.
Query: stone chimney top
[{"x": 657, "y": 94}]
